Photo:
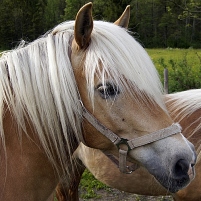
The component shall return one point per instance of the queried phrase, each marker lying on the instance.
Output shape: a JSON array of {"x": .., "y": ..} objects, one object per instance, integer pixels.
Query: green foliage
[
  {"x": 156, "y": 23},
  {"x": 72, "y": 7},
  {"x": 54, "y": 13},
  {"x": 184, "y": 67},
  {"x": 108, "y": 10},
  {"x": 89, "y": 184},
  {"x": 20, "y": 19},
  {"x": 27, "y": 19},
  {"x": 159, "y": 20},
  {"x": 159, "y": 23}
]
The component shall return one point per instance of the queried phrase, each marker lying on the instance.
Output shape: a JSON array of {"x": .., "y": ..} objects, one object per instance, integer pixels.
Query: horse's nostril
[
  {"x": 181, "y": 168},
  {"x": 192, "y": 164}
]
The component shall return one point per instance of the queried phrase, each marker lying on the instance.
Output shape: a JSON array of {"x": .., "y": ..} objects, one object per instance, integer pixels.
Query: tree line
[{"x": 154, "y": 23}]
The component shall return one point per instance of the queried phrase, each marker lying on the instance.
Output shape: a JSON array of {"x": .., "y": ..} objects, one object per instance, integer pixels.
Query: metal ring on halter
[
  {"x": 123, "y": 141},
  {"x": 130, "y": 171}
]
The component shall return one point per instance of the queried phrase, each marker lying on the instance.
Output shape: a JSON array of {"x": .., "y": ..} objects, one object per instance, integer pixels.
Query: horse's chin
[
  {"x": 171, "y": 179},
  {"x": 172, "y": 184}
]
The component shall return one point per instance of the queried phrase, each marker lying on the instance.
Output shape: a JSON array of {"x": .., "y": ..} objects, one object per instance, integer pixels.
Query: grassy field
[
  {"x": 184, "y": 66},
  {"x": 175, "y": 54}
]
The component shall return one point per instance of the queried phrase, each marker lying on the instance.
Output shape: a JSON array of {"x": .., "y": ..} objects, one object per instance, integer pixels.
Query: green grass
[
  {"x": 170, "y": 53},
  {"x": 192, "y": 57},
  {"x": 89, "y": 185},
  {"x": 184, "y": 66}
]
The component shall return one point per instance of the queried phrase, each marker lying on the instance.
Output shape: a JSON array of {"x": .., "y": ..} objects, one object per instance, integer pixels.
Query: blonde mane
[
  {"x": 182, "y": 105},
  {"x": 121, "y": 56},
  {"x": 37, "y": 82}
]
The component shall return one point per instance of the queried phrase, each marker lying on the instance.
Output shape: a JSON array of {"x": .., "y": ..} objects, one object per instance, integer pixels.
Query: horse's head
[{"x": 119, "y": 86}]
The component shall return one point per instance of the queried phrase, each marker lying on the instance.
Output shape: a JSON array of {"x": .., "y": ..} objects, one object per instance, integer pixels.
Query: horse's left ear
[
  {"x": 83, "y": 26},
  {"x": 123, "y": 21}
]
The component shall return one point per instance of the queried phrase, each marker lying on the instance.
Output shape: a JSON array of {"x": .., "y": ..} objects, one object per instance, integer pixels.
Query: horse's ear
[
  {"x": 123, "y": 21},
  {"x": 83, "y": 26}
]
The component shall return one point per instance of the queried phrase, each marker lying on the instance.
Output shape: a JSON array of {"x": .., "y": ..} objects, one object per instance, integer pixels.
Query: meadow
[{"x": 184, "y": 67}]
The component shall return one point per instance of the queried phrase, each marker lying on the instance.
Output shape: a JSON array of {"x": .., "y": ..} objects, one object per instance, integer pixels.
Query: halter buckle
[{"x": 123, "y": 141}]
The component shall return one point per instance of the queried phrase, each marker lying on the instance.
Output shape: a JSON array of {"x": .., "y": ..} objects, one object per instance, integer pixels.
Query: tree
[
  {"x": 72, "y": 7},
  {"x": 108, "y": 10},
  {"x": 54, "y": 13},
  {"x": 20, "y": 20},
  {"x": 155, "y": 23}
]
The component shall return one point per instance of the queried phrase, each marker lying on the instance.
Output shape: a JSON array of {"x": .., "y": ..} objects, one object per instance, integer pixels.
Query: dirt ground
[{"x": 116, "y": 195}]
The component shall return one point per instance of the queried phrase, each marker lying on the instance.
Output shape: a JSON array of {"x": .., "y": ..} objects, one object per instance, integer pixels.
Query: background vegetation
[
  {"x": 155, "y": 23},
  {"x": 184, "y": 67}
]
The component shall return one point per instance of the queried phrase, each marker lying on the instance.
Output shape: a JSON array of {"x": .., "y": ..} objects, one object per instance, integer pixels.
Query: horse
[
  {"x": 184, "y": 107},
  {"x": 70, "y": 86}
]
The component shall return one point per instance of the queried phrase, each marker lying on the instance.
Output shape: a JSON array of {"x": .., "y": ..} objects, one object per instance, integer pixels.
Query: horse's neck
[
  {"x": 190, "y": 126},
  {"x": 190, "y": 122},
  {"x": 24, "y": 165}
]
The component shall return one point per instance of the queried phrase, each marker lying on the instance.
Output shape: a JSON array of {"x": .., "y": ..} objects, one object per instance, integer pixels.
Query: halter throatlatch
[{"x": 130, "y": 144}]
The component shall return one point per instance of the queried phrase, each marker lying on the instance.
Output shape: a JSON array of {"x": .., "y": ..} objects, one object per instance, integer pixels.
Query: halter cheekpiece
[{"x": 130, "y": 144}]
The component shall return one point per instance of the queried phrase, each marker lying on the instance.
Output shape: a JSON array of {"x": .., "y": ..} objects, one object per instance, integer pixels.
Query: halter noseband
[{"x": 131, "y": 144}]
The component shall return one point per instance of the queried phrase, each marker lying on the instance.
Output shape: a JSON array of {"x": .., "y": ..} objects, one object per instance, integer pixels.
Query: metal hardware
[{"x": 123, "y": 141}]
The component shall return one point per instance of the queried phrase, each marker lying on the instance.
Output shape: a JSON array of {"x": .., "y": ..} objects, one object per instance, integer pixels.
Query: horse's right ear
[
  {"x": 83, "y": 26},
  {"x": 123, "y": 21}
]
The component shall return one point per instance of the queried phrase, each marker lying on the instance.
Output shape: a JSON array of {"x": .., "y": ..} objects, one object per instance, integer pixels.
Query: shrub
[{"x": 183, "y": 73}]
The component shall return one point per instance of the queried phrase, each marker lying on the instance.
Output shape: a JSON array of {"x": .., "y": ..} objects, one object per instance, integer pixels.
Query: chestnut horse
[
  {"x": 71, "y": 86},
  {"x": 184, "y": 107}
]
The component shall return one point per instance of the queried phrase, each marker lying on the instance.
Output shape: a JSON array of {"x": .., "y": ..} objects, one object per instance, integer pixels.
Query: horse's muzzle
[{"x": 182, "y": 175}]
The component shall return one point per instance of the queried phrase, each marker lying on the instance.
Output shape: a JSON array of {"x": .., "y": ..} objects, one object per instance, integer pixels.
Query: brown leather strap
[
  {"x": 122, "y": 160},
  {"x": 123, "y": 167}
]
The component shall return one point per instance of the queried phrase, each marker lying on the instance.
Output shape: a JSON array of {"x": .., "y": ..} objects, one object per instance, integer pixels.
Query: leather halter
[
  {"x": 131, "y": 144},
  {"x": 116, "y": 140}
]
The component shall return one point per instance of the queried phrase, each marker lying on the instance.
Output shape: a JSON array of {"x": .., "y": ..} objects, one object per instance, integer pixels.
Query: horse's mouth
[{"x": 174, "y": 185}]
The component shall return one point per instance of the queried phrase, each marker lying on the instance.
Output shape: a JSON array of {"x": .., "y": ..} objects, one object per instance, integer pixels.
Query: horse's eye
[{"x": 108, "y": 90}]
